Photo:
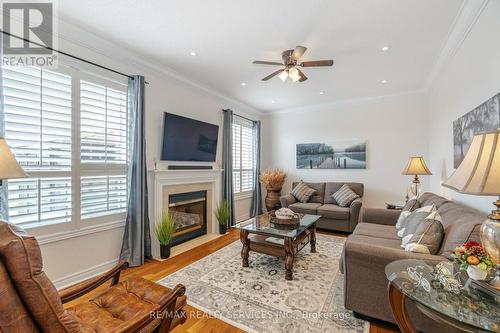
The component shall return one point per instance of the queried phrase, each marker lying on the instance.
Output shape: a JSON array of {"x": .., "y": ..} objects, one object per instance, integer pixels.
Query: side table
[{"x": 441, "y": 294}]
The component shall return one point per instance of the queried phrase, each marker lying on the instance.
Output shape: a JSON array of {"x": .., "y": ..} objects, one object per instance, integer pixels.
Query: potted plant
[
  {"x": 472, "y": 257},
  {"x": 273, "y": 179},
  {"x": 222, "y": 214},
  {"x": 164, "y": 230}
]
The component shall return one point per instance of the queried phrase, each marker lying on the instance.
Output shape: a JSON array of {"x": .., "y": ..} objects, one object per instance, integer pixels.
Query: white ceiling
[{"x": 228, "y": 35}]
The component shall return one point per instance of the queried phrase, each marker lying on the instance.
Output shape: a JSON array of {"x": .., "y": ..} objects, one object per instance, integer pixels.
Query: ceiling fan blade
[
  {"x": 267, "y": 63},
  {"x": 298, "y": 52},
  {"x": 303, "y": 77},
  {"x": 317, "y": 63},
  {"x": 272, "y": 75}
]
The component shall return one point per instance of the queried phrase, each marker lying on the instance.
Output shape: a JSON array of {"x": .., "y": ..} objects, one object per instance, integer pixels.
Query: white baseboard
[{"x": 68, "y": 280}]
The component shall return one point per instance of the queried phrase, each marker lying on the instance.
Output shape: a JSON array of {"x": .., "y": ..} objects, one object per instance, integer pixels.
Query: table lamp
[
  {"x": 479, "y": 174},
  {"x": 416, "y": 166},
  {"x": 9, "y": 168}
]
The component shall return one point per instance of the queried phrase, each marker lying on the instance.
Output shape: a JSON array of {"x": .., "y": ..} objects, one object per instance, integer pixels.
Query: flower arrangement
[
  {"x": 472, "y": 254},
  {"x": 273, "y": 177}
]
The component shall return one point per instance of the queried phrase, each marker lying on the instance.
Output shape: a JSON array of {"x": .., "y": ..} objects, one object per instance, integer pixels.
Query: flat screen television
[{"x": 186, "y": 139}]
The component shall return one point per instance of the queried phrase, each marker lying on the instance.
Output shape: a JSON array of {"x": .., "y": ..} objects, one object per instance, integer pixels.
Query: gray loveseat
[
  {"x": 333, "y": 217},
  {"x": 374, "y": 243}
]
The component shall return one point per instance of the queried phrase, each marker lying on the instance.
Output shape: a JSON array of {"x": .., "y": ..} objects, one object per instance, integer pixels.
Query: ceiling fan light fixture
[
  {"x": 283, "y": 75},
  {"x": 294, "y": 74}
]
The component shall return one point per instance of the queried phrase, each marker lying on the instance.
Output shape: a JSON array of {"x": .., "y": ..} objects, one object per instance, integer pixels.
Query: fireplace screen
[{"x": 190, "y": 212}]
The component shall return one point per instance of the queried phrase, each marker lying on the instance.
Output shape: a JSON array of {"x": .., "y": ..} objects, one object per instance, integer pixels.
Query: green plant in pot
[
  {"x": 222, "y": 214},
  {"x": 164, "y": 230}
]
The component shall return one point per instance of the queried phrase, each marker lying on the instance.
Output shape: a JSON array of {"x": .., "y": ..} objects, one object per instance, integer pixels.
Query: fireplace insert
[{"x": 190, "y": 212}]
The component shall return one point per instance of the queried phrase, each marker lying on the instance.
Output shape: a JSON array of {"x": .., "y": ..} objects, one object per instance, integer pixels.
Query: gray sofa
[
  {"x": 374, "y": 243},
  {"x": 333, "y": 217}
]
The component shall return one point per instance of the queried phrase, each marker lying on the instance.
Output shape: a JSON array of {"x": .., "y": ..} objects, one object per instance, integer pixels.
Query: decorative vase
[
  {"x": 222, "y": 228},
  {"x": 273, "y": 198},
  {"x": 476, "y": 273},
  {"x": 165, "y": 251}
]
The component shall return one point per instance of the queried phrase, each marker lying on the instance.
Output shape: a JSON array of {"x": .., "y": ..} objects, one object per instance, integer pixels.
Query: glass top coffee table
[
  {"x": 442, "y": 293},
  {"x": 277, "y": 240}
]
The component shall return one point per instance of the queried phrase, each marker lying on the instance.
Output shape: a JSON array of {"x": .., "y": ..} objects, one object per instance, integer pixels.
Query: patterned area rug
[{"x": 259, "y": 299}]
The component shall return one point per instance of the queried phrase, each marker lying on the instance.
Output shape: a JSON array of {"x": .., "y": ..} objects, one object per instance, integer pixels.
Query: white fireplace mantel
[{"x": 162, "y": 178}]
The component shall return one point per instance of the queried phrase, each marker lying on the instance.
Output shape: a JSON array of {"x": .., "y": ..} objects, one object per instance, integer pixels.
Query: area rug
[{"x": 259, "y": 299}]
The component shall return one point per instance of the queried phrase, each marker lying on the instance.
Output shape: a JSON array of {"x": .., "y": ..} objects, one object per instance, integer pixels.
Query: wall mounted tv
[{"x": 186, "y": 139}]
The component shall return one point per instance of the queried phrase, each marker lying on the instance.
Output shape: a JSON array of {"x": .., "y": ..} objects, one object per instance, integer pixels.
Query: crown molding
[
  {"x": 343, "y": 103},
  {"x": 467, "y": 17},
  {"x": 114, "y": 51}
]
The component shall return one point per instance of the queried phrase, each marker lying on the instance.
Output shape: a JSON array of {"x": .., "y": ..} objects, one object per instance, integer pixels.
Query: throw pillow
[
  {"x": 344, "y": 196},
  {"x": 409, "y": 207},
  {"x": 428, "y": 235},
  {"x": 412, "y": 222},
  {"x": 302, "y": 192}
]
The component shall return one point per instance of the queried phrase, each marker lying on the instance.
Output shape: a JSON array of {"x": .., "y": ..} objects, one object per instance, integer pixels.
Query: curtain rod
[
  {"x": 70, "y": 55},
  {"x": 237, "y": 115}
]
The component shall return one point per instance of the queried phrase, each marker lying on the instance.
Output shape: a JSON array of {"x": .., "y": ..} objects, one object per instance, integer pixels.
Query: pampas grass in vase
[{"x": 273, "y": 179}]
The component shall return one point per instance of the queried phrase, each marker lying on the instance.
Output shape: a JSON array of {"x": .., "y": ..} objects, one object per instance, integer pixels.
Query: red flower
[{"x": 470, "y": 244}]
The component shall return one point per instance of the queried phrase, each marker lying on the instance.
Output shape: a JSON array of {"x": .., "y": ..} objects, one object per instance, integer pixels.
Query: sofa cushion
[
  {"x": 461, "y": 224},
  {"x": 427, "y": 199},
  {"x": 411, "y": 223},
  {"x": 302, "y": 192},
  {"x": 344, "y": 196},
  {"x": 305, "y": 208},
  {"x": 317, "y": 197},
  {"x": 334, "y": 212},
  {"x": 428, "y": 235},
  {"x": 332, "y": 187},
  {"x": 376, "y": 230},
  {"x": 409, "y": 207}
]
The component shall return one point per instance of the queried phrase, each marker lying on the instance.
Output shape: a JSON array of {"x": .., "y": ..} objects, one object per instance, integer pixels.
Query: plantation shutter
[
  {"x": 103, "y": 150},
  {"x": 38, "y": 131},
  {"x": 242, "y": 155}
]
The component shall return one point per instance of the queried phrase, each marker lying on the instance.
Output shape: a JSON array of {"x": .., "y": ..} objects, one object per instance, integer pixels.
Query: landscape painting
[
  {"x": 339, "y": 155},
  {"x": 486, "y": 117}
]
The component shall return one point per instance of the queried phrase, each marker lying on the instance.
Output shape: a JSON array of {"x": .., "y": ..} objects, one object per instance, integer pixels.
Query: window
[
  {"x": 68, "y": 130},
  {"x": 243, "y": 155}
]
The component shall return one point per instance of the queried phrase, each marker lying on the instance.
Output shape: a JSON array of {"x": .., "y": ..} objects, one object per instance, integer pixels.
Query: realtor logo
[{"x": 29, "y": 33}]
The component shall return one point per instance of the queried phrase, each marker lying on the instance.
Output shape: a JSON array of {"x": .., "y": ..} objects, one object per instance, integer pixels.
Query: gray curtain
[
  {"x": 136, "y": 244},
  {"x": 4, "y": 213},
  {"x": 256, "y": 207},
  {"x": 227, "y": 162}
]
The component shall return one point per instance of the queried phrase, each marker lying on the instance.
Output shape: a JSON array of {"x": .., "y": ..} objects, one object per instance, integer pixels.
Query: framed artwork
[
  {"x": 485, "y": 117},
  {"x": 338, "y": 155}
]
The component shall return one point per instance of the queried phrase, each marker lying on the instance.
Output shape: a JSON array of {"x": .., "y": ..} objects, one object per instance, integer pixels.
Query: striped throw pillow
[
  {"x": 345, "y": 196},
  {"x": 302, "y": 192}
]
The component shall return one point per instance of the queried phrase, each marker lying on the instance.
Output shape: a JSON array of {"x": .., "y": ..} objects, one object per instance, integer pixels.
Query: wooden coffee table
[{"x": 277, "y": 240}]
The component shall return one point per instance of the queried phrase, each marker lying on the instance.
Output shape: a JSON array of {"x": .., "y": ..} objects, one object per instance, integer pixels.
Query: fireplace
[{"x": 190, "y": 212}]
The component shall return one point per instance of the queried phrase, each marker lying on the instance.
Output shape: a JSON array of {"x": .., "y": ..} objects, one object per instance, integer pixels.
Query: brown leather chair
[{"x": 29, "y": 302}]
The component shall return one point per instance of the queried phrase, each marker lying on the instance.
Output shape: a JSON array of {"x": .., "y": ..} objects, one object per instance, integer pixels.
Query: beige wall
[
  {"x": 394, "y": 128},
  {"x": 470, "y": 77}
]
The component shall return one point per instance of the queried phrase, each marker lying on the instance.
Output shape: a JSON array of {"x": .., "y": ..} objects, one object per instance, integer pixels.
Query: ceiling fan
[{"x": 291, "y": 62}]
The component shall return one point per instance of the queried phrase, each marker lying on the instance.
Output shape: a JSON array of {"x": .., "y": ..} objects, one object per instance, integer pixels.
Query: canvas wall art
[
  {"x": 338, "y": 155},
  {"x": 485, "y": 117}
]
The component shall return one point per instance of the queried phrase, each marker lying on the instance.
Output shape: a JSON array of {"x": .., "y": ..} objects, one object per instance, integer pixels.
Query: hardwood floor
[{"x": 198, "y": 321}]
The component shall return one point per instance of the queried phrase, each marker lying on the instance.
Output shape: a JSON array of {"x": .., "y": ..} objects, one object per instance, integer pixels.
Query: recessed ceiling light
[
  {"x": 243, "y": 84},
  {"x": 383, "y": 81},
  {"x": 193, "y": 54},
  {"x": 321, "y": 92},
  {"x": 273, "y": 101},
  {"x": 386, "y": 48}
]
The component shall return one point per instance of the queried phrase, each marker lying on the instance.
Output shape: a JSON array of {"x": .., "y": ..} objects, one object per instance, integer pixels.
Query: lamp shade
[
  {"x": 479, "y": 172},
  {"x": 9, "y": 168},
  {"x": 416, "y": 166}
]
